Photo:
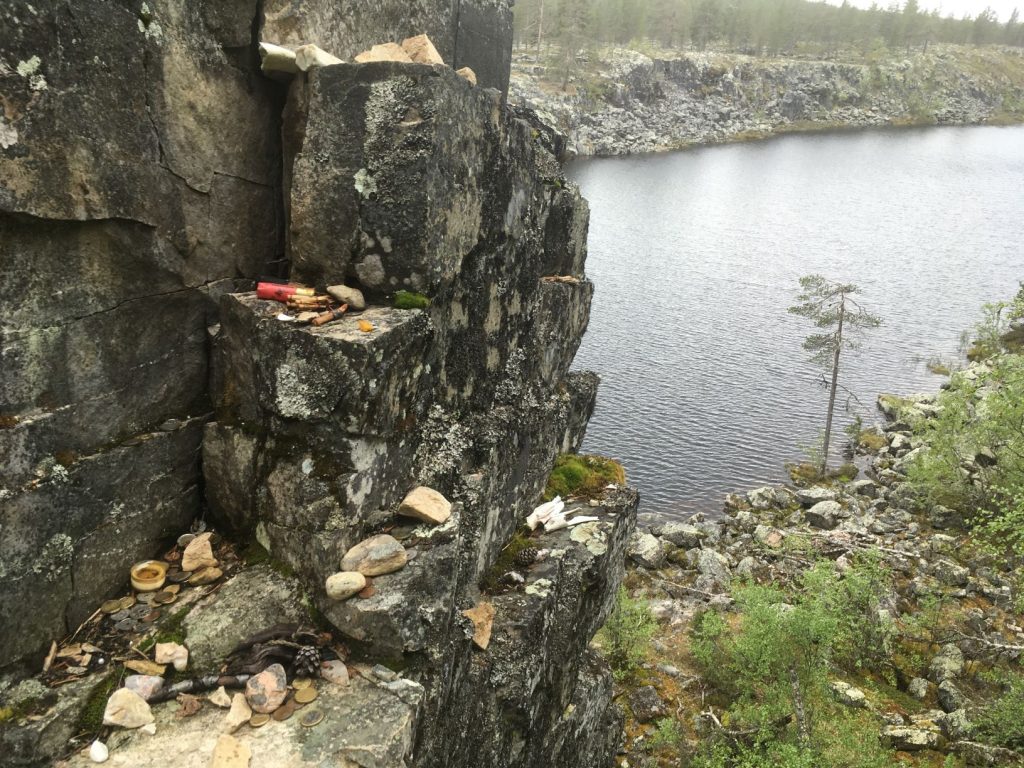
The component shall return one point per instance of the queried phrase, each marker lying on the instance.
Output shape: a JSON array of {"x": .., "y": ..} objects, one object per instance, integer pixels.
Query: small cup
[{"x": 149, "y": 575}]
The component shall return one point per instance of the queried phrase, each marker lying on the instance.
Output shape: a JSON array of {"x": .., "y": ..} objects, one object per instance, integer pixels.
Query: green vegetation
[
  {"x": 582, "y": 475},
  {"x": 838, "y": 318},
  {"x": 668, "y": 736},
  {"x": 771, "y": 666},
  {"x": 410, "y": 300},
  {"x": 1001, "y": 723},
  {"x": 90, "y": 719},
  {"x": 799, "y": 27},
  {"x": 626, "y": 635},
  {"x": 491, "y": 579}
]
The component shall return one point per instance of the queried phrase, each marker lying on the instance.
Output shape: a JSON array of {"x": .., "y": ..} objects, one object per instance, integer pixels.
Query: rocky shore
[
  {"x": 773, "y": 535},
  {"x": 623, "y": 101}
]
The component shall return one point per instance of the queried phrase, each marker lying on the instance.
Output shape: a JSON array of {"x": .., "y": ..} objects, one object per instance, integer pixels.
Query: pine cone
[
  {"x": 526, "y": 557},
  {"x": 307, "y": 662}
]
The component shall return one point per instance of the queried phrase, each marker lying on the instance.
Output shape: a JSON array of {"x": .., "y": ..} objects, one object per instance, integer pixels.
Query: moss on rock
[{"x": 582, "y": 475}]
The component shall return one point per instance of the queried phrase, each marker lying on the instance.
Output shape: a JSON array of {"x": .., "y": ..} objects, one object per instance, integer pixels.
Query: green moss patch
[
  {"x": 582, "y": 475},
  {"x": 90, "y": 720},
  {"x": 491, "y": 579},
  {"x": 410, "y": 300}
]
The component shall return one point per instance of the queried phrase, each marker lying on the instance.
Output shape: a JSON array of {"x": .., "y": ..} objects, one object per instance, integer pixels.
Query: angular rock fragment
[
  {"x": 375, "y": 556},
  {"x": 239, "y": 713},
  {"x": 384, "y": 52},
  {"x": 334, "y": 672},
  {"x": 344, "y": 584},
  {"x": 198, "y": 554},
  {"x": 126, "y": 709},
  {"x": 824, "y": 515},
  {"x": 266, "y": 691},
  {"x": 171, "y": 653},
  {"x": 147, "y": 686},
  {"x": 421, "y": 50},
  {"x": 482, "y": 616},
  {"x": 220, "y": 698},
  {"x": 426, "y": 504},
  {"x": 467, "y": 74},
  {"x": 310, "y": 56}
]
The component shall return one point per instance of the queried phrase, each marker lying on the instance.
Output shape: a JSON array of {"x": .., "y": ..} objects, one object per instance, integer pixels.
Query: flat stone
[
  {"x": 947, "y": 664},
  {"x": 823, "y": 515},
  {"x": 375, "y": 556},
  {"x": 266, "y": 691},
  {"x": 126, "y": 709},
  {"x": 646, "y": 704},
  {"x": 482, "y": 616},
  {"x": 421, "y": 50},
  {"x": 229, "y": 752},
  {"x": 147, "y": 686},
  {"x": 346, "y": 295},
  {"x": 811, "y": 496},
  {"x": 239, "y": 713},
  {"x": 384, "y": 52},
  {"x": 906, "y": 738},
  {"x": 198, "y": 554},
  {"x": 204, "y": 576},
  {"x": 681, "y": 534},
  {"x": 848, "y": 695},
  {"x": 344, "y": 584},
  {"x": 426, "y": 504}
]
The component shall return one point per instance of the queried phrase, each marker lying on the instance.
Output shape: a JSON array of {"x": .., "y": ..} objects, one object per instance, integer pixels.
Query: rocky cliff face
[
  {"x": 150, "y": 173},
  {"x": 624, "y": 101}
]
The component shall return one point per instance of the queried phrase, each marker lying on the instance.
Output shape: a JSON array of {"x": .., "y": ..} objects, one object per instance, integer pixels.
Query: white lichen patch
[
  {"x": 365, "y": 184},
  {"x": 594, "y": 536},
  {"x": 307, "y": 466},
  {"x": 293, "y": 393},
  {"x": 8, "y": 134},
  {"x": 29, "y": 67},
  {"x": 540, "y": 588},
  {"x": 38, "y": 83}
]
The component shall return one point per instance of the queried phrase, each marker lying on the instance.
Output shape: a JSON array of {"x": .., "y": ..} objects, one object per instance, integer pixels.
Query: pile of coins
[
  {"x": 133, "y": 612},
  {"x": 303, "y": 693}
]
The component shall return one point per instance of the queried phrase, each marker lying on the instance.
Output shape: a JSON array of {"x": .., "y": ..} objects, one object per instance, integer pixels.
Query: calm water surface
[{"x": 696, "y": 257}]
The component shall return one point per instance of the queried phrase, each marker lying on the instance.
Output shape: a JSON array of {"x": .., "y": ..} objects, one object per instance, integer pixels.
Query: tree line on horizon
[{"x": 757, "y": 27}]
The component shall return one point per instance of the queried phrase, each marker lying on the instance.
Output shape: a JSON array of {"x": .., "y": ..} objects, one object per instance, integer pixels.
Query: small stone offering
[
  {"x": 426, "y": 504},
  {"x": 344, "y": 584},
  {"x": 375, "y": 556},
  {"x": 266, "y": 691},
  {"x": 198, "y": 554},
  {"x": 126, "y": 709}
]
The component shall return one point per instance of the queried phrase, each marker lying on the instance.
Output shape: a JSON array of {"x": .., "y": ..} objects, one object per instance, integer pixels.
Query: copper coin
[
  {"x": 301, "y": 682},
  {"x": 311, "y": 718},
  {"x": 285, "y": 711},
  {"x": 164, "y": 598},
  {"x": 111, "y": 606},
  {"x": 152, "y": 616},
  {"x": 258, "y": 720},
  {"x": 305, "y": 695}
]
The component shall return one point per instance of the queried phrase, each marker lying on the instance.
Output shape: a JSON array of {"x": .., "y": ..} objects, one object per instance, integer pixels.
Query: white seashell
[{"x": 98, "y": 752}]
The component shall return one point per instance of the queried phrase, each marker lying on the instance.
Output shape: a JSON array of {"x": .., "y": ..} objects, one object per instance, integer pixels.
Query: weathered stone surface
[
  {"x": 257, "y": 598},
  {"x": 824, "y": 515},
  {"x": 266, "y": 691},
  {"x": 912, "y": 739},
  {"x": 375, "y": 556},
  {"x": 482, "y": 616},
  {"x": 951, "y": 698},
  {"x": 229, "y": 752},
  {"x": 947, "y": 664},
  {"x": 344, "y": 584},
  {"x": 127, "y": 709},
  {"x": 976, "y": 754},
  {"x": 681, "y": 534},
  {"x": 646, "y": 704},
  {"x": 364, "y": 724},
  {"x": 120, "y": 196},
  {"x": 46, "y": 737},
  {"x": 814, "y": 495},
  {"x": 646, "y": 550},
  {"x": 426, "y": 504},
  {"x": 848, "y": 695},
  {"x": 421, "y": 50}
]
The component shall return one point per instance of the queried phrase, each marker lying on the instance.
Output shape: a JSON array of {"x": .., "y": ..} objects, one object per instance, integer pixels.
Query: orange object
[
  {"x": 329, "y": 315},
  {"x": 281, "y": 291},
  {"x": 365, "y": 326}
]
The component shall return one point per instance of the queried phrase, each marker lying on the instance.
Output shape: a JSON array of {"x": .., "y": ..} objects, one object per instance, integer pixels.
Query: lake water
[{"x": 696, "y": 256}]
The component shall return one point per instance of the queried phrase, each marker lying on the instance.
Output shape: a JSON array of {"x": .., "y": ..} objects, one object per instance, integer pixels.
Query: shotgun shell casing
[
  {"x": 281, "y": 292},
  {"x": 329, "y": 315}
]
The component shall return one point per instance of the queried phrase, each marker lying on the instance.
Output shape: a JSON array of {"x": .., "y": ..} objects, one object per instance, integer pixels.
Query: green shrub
[
  {"x": 582, "y": 475},
  {"x": 1002, "y": 722},
  {"x": 776, "y": 660},
  {"x": 410, "y": 300},
  {"x": 626, "y": 634},
  {"x": 667, "y": 737}
]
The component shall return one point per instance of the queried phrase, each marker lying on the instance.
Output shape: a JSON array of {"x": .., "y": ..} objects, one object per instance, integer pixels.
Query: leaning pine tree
[{"x": 839, "y": 320}]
